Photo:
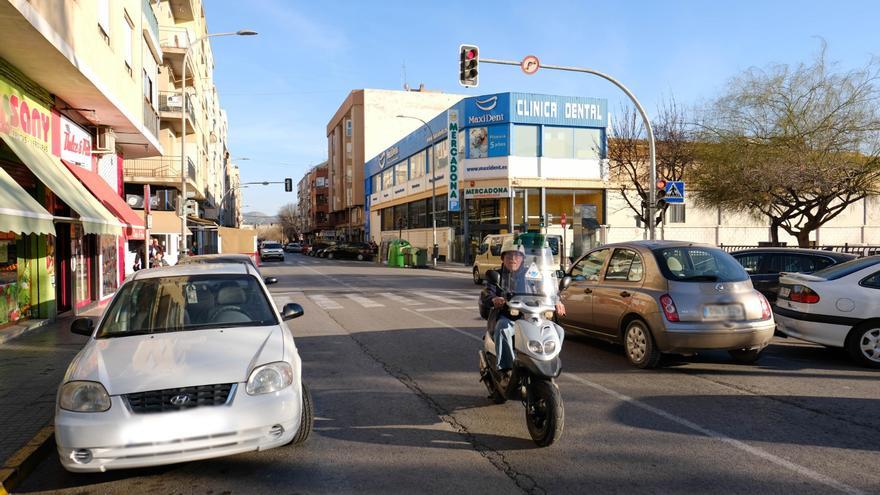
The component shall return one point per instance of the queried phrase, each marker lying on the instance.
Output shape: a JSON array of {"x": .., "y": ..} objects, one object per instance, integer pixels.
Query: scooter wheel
[{"x": 545, "y": 415}]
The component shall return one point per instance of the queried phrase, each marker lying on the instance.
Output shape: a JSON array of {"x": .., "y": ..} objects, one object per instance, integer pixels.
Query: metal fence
[
  {"x": 858, "y": 250},
  {"x": 172, "y": 101},
  {"x": 165, "y": 167}
]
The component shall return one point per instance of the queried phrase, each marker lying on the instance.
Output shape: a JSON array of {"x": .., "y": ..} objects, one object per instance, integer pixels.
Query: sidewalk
[
  {"x": 453, "y": 267},
  {"x": 32, "y": 365}
]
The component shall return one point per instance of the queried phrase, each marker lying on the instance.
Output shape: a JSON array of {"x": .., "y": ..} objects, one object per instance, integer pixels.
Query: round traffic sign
[
  {"x": 562, "y": 220},
  {"x": 530, "y": 64}
]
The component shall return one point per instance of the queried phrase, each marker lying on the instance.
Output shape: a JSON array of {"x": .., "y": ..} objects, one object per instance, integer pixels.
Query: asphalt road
[{"x": 391, "y": 360}]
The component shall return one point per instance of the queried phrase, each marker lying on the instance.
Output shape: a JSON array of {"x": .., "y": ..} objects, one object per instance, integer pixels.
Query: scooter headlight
[
  {"x": 548, "y": 315},
  {"x": 536, "y": 347},
  {"x": 549, "y": 346},
  {"x": 514, "y": 312}
]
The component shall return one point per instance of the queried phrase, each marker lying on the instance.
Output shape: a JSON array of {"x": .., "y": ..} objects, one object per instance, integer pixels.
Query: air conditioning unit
[
  {"x": 135, "y": 201},
  {"x": 105, "y": 140}
]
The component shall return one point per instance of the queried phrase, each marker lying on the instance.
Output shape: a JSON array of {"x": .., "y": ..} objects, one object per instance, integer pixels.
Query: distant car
[
  {"x": 293, "y": 247},
  {"x": 272, "y": 250},
  {"x": 667, "y": 297},
  {"x": 314, "y": 248},
  {"x": 360, "y": 251},
  {"x": 838, "y": 307},
  {"x": 765, "y": 264},
  {"x": 188, "y": 362}
]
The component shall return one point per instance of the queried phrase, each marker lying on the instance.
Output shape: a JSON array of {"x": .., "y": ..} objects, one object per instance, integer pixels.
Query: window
[
  {"x": 495, "y": 246},
  {"x": 619, "y": 266},
  {"x": 587, "y": 144},
  {"x": 401, "y": 173},
  {"x": 417, "y": 165},
  {"x": 796, "y": 263},
  {"x": 441, "y": 148},
  {"x": 751, "y": 262},
  {"x": 872, "y": 281},
  {"x": 104, "y": 19},
  {"x": 127, "y": 42},
  {"x": 698, "y": 264},
  {"x": 377, "y": 183},
  {"x": 589, "y": 266},
  {"x": 557, "y": 142},
  {"x": 525, "y": 140},
  {"x": 388, "y": 178},
  {"x": 676, "y": 213}
]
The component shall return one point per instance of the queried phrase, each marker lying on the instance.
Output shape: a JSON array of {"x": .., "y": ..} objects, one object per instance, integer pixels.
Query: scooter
[{"x": 537, "y": 345}]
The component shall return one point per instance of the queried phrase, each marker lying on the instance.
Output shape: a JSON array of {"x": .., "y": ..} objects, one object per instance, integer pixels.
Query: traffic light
[
  {"x": 288, "y": 185},
  {"x": 661, "y": 190},
  {"x": 469, "y": 57}
]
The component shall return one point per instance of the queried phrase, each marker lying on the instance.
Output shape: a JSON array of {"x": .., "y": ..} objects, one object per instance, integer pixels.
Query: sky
[{"x": 281, "y": 88}]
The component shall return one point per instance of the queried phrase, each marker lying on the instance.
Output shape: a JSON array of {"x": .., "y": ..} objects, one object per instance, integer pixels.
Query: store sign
[
  {"x": 559, "y": 110},
  {"x": 487, "y": 192},
  {"x": 489, "y": 109},
  {"x": 452, "y": 130},
  {"x": 76, "y": 144},
  {"x": 24, "y": 118}
]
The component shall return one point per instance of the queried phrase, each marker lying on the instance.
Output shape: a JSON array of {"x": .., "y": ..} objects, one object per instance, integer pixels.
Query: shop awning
[
  {"x": 164, "y": 222},
  {"x": 133, "y": 225},
  {"x": 94, "y": 217},
  {"x": 19, "y": 212}
]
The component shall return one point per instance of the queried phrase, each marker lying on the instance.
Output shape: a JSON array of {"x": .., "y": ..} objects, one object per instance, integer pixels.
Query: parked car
[
  {"x": 350, "y": 251},
  {"x": 293, "y": 247},
  {"x": 659, "y": 297},
  {"x": 272, "y": 250},
  {"x": 838, "y": 307},
  {"x": 764, "y": 265},
  {"x": 319, "y": 246},
  {"x": 488, "y": 255},
  {"x": 194, "y": 361}
]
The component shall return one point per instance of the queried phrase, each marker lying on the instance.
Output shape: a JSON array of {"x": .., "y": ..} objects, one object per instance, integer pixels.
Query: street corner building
[{"x": 506, "y": 162}]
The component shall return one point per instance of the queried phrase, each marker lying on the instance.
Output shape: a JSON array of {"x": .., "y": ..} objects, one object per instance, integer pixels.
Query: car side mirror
[
  {"x": 82, "y": 326},
  {"x": 560, "y": 274},
  {"x": 270, "y": 280},
  {"x": 291, "y": 311},
  {"x": 493, "y": 277},
  {"x": 564, "y": 283}
]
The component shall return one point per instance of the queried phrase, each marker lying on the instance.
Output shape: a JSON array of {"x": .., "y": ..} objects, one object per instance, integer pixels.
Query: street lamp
[
  {"x": 433, "y": 188},
  {"x": 197, "y": 42}
]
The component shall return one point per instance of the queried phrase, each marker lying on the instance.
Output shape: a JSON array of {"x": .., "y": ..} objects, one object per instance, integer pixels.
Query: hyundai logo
[
  {"x": 179, "y": 400},
  {"x": 487, "y": 104}
]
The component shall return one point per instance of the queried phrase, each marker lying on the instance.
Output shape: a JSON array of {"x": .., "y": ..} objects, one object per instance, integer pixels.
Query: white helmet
[{"x": 511, "y": 245}]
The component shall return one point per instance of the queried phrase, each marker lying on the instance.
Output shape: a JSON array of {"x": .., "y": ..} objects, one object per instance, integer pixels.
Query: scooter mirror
[
  {"x": 493, "y": 277},
  {"x": 564, "y": 283}
]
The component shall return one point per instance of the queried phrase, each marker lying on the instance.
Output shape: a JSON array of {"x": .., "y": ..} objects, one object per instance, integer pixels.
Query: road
[{"x": 391, "y": 360}]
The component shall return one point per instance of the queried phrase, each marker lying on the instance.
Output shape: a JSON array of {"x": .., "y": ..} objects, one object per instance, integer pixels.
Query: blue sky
[{"x": 280, "y": 88}]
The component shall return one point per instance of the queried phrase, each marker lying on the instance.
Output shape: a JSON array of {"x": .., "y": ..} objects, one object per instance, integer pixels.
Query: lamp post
[
  {"x": 433, "y": 188},
  {"x": 197, "y": 42}
]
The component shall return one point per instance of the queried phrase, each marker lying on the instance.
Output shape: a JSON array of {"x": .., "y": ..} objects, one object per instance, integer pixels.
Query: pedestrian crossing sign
[{"x": 674, "y": 192}]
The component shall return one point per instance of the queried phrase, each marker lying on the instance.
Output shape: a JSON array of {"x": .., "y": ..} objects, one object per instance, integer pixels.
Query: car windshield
[
  {"x": 194, "y": 302},
  {"x": 699, "y": 264},
  {"x": 842, "y": 270},
  {"x": 271, "y": 245}
]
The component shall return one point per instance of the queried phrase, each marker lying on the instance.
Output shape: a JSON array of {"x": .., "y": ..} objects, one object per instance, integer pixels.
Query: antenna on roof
[{"x": 403, "y": 74}]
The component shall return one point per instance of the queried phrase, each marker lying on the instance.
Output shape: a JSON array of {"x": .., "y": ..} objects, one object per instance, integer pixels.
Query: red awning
[{"x": 134, "y": 226}]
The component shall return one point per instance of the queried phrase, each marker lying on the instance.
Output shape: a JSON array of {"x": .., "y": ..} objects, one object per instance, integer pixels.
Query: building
[
  {"x": 365, "y": 124},
  {"x": 313, "y": 204},
  {"x": 75, "y": 81},
  {"x": 505, "y": 162}
]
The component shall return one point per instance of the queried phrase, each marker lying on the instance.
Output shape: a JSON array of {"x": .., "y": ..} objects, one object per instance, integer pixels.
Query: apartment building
[
  {"x": 366, "y": 123},
  {"x": 313, "y": 204}
]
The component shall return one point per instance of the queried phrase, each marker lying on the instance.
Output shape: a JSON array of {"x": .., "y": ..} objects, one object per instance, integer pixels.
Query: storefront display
[{"x": 109, "y": 265}]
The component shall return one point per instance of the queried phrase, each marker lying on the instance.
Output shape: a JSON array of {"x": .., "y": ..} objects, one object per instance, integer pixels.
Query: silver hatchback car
[{"x": 659, "y": 297}]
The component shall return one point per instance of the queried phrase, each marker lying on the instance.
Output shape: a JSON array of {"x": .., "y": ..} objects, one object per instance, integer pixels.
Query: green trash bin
[
  {"x": 395, "y": 253},
  {"x": 421, "y": 258},
  {"x": 408, "y": 255}
]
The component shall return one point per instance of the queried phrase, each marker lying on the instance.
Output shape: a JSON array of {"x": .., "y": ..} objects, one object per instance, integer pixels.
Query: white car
[
  {"x": 838, "y": 307},
  {"x": 188, "y": 362}
]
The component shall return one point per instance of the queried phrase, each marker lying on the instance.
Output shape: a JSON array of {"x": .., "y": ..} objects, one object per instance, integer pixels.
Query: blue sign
[
  {"x": 498, "y": 139},
  {"x": 674, "y": 192}
]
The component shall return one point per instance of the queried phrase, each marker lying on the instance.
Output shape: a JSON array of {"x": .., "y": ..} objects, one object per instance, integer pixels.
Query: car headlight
[
  {"x": 269, "y": 378},
  {"x": 81, "y": 396},
  {"x": 514, "y": 312},
  {"x": 536, "y": 347},
  {"x": 549, "y": 346}
]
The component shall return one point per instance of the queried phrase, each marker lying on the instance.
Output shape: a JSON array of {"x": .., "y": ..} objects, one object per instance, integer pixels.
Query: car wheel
[
  {"x": 307, "y": 420},
  {"x": 639, "y": 344},
  {"x": 863, "y": 344},
  {"x": 360, "y": 257},
  {"x": 477, "y": 279},
  {"x": 329, "y": 256},
  {"x": 745, "y": 356}
]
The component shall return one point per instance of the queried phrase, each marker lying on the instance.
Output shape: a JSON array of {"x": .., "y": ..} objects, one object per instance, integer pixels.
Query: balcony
[
  {"x": 174, "y": 42},
  {"x": 164, "y": 170},
  {"x": 170, "y": 108},
  {"x": 151, "y": 29},
  {"x": 151, "y": 118},
  {"x": 183, "y": 10}
]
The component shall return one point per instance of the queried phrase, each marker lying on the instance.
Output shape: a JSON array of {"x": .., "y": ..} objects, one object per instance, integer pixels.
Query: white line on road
[
  {"x": 442, "y": 308},
  {"x": 763, "y": 454},
  {"x": 443, "y": 299},
  {"x": 364, "y": 301},
  {"x": 459, "y": 295},
  {"x": 325, "y": 302},
  {"x": 400, "y": 299}
]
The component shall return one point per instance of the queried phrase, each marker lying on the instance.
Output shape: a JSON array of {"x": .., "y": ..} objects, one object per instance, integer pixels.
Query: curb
[
  {"x": 20, "y": 464},
  {"x": 15, "y": 331}
]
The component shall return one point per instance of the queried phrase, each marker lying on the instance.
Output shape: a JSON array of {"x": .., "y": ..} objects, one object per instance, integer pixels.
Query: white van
[{"x": 488, "y": 256}]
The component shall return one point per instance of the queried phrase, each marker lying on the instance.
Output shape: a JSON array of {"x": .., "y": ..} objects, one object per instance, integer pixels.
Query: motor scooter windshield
[{"x": 536, "y": 278}]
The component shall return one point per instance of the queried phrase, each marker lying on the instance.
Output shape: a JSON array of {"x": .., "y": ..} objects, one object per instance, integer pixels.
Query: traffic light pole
[{"x": 652, "y": 189}]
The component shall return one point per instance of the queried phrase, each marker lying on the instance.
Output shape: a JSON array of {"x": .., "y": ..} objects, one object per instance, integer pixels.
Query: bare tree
[
  {"x": 796, "y": 145},
  {"x": 629, "y": 164},
  {"x": 288, "y": 217}
]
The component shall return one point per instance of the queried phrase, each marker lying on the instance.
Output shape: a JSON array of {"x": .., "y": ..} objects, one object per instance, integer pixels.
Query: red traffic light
[
  {"x": 472, "y": 53},
  {"x": 661, "y": 184}
]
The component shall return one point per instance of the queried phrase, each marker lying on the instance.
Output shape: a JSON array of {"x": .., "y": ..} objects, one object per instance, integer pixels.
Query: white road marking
[
  {"x": 442, "y": 308},
  {"x": 763, "y": 454},
  {"x": 443, "y": 299},
  {"x": 325, "y": 302},
  {"x": 364, "y": 301},
  {"x": 460, "y": 295},
  {"x": 400, "y": 299}
]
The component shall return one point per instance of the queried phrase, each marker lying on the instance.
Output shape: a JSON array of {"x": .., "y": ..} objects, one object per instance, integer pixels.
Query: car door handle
[
  {"x": 588, "y": 291},
  {"x": 625, "y": 294}
]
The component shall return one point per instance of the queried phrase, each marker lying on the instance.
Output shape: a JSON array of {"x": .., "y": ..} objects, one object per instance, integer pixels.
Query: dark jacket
[{"x": 509, "y": 283}]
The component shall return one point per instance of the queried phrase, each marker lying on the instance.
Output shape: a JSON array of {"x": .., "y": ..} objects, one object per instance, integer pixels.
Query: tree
[
  {"x": 796, "y": 145},
  {"x": 628, "y": 157},
  {"x": 288, "y": 217}
]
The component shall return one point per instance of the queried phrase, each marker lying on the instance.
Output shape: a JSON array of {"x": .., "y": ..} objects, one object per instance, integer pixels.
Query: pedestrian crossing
[{"x": 419, "y": 300}]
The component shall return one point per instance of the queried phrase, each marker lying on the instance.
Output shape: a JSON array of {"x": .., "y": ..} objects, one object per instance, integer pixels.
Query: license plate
[
  {"x": 784, "y": 292},
  {"x": 723, "y": 312}
]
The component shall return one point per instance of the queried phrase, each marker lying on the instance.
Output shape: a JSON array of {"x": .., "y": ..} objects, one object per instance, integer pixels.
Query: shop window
[
  {"x": 441, "y": 149},
  {"x": 417, "y": 165},
  {"x": 109, "y": 265},
  {"x": 377, "y": 183},
  {"x": 525, "y": 140},
  {"x": 388, "y": 178},
  {"x": 587, "y": 144},
  {"x": 676, "y": 213},
  {"x": 401, "y": 172}
]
